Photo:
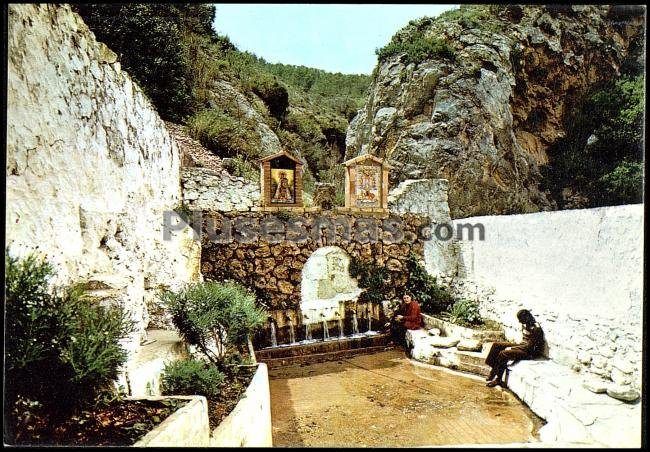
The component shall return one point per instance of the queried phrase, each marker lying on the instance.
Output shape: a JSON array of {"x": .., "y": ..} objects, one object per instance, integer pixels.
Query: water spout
[
  {"x": 355, "y": 324},
  {"x": 370, "y": 317},
  {"x": 274, "y": 340},
  {"x": 292, "y": 332},
  {"x": 326, "y": 331},
  {"x": 307, "y": 332},
  {"x": 340, "y": 322}
]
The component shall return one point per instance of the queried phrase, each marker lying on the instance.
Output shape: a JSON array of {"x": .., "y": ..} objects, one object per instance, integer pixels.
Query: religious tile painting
[
  {"x": 368, "y": 186},
  {"x": 282, "y": 186}
]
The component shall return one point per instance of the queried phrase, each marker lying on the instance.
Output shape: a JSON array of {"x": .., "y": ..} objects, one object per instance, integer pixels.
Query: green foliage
[
  {"x": 224, "y": 312},
  {"x": 223, "y": 134},
  {"x": 602, "y": 154},
  {"x": 149, "y": 41},
  {"x": 465, "y": 312},
  {"x": 240, "y": 167},
  {"x": 274, "y": 95},
  {"x": 62, "y": 349},
  {"x": 372, "y": 277},
  {"x": 625, "y": 183},
  {"x": 481, "y": 17},
  {"x": 424, "y": 287},
  {"x": 416, "y": 48},
  {"x": 192, "y": 377}
]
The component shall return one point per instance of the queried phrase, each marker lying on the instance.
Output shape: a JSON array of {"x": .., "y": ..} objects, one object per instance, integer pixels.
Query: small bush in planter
[
  {"x": 190, "y": 377},
  {"x": 372, "y": 277},
  {"x": 212, "y": 315},
  {"x": 432, "y": 298},
  {"x": 62, "y": 350},
  {"x": 465, "y": 312}
]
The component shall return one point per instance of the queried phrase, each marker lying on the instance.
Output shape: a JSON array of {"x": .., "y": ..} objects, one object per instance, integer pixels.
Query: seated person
[
  {"x": 407, "y": 317},
  {"x": 502, "y": 352}
]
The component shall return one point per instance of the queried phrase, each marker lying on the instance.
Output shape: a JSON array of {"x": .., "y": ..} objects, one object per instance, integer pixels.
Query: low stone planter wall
[
  {"x": 249, "y": 424},
  {"x": 451, "y": 330},
  {"x": 186, "y": 427}
]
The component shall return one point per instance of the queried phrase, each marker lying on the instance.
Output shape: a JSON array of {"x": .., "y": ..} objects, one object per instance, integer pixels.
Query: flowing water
[
  {"x": 307, "y": 332},
  {"x": 341, "y": 335},
  {"x": 326, "y": 331},
  {"x": 274, "y": 339},
  {"x": 355, "y": 325},
  {"x": 292, "y": 333}
]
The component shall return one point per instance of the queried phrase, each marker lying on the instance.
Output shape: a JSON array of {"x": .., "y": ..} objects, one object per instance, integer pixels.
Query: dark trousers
[
  {"x": 398, "y": 332},
  {"x": 498, "y": 357}
]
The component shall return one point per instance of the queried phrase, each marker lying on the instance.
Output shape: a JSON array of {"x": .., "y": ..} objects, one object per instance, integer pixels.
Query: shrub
[
  {"x": 625, "y": 183},
  {"x": 240, "y": 167},
  {"x": 372, "y": 277},
  {"x": 62, "y": 350},
  {"x": 424, "y": 287},
  {"x": 224, "y": 134},
  {"x": 221, "y": 312},
  {"x": 148, "y": 40},
  {"x": 465, "y": 312},
  {"x": 417, "y": 48},
  {"x": 192, "y": 377}
]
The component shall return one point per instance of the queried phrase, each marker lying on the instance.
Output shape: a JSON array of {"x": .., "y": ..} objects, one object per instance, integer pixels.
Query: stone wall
[
  {"x": 429, "y": 197},
  {"x": 273, "y": 264},
  {"x": 90, "y": 165},
  {"x": 580, "y": 272},
  {"x": 207, "y": 189}
]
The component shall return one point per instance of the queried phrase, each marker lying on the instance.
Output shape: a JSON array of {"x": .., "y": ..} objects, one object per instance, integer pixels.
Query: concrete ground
[{"x": 385, "y": 399}]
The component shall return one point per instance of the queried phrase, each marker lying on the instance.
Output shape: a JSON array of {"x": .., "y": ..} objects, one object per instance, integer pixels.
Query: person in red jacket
[{"x": 407, "y": 317}]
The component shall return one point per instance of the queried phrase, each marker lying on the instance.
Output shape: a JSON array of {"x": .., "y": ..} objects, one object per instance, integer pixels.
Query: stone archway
[{"x": 326, "y": 285}]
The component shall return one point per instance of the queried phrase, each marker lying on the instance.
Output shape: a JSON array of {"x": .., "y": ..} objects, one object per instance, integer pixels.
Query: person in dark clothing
[
  {"x": 407, "y": 317},
  {"x": 502, "y": 352}
]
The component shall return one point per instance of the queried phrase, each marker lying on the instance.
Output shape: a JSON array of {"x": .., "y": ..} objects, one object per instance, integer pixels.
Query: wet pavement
[{"x": 385, "y": 399}]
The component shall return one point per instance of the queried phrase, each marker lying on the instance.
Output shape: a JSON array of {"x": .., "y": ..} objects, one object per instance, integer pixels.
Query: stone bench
[
  {"x": 573, "y": 413},
  {"x": 553, "y": 391}
]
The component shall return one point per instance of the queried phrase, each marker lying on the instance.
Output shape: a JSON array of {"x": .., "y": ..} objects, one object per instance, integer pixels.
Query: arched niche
[{"x": 326, "y": 285}]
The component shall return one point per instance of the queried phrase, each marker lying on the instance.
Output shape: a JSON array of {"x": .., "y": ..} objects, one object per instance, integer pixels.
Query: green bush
[
  {"x": 149, "y": 41},
  {"x": 240, "y": 167},
  {"x": 372, "y": 277},
  {"x": 624, "y": 184},
  {"x": 417, "y": 48},
  {"x": 465, "y": 312},
  {"x": 62, "y": 350},
  {"x": 224, "y": 134},
  {"x": 192, "y": 377},
  {"x": 224, "y": 312},
  {"x": 433, "y": 298}
]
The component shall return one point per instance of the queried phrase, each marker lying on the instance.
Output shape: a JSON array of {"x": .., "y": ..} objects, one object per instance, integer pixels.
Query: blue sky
[{"x": 337, "y": 38}]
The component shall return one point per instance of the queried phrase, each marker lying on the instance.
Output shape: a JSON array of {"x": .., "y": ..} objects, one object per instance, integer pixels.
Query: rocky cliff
[
  {"x": 483, "y": 113},
  {"x": 91, "y": 166}
]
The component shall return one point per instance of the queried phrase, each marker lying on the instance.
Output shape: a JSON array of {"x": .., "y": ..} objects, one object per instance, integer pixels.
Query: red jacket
[{"x": 412, "y": 315}]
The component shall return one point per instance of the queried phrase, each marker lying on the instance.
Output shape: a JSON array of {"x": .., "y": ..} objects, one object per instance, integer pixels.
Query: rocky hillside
[
  {"x": 237, "y": 105},
  {"x": 478, "y": 95}
]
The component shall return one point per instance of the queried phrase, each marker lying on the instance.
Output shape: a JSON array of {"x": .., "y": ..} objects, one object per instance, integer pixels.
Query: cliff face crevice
[{"x": 485, "y": 118}]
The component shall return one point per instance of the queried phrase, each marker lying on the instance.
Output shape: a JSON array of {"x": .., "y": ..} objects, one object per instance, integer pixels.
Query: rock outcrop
[
  {"x": 484, "y": 118},
  {"x": 90, "y": 165}
]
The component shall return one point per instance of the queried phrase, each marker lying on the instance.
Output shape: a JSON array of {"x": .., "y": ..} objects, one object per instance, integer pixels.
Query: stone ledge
[
  {"x": 249, "y": 423},
  {"x": 574, "y": 414},
  {"x": 186, "y": 427},
  {"x": 553, "y": 391}
]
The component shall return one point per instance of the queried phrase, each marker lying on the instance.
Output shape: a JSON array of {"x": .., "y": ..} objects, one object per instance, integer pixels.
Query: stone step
[
  {"x": 477, "y": 369},
  {"x": 274, "y": 363},
  {"x": 320, "y": 347},
  {"x": 471, "y": 358}
]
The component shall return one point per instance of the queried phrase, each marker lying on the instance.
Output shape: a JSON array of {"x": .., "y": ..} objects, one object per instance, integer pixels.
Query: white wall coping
[
  {"x": 249, "y": 423},
  {"x": 188, "y": 426}
]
